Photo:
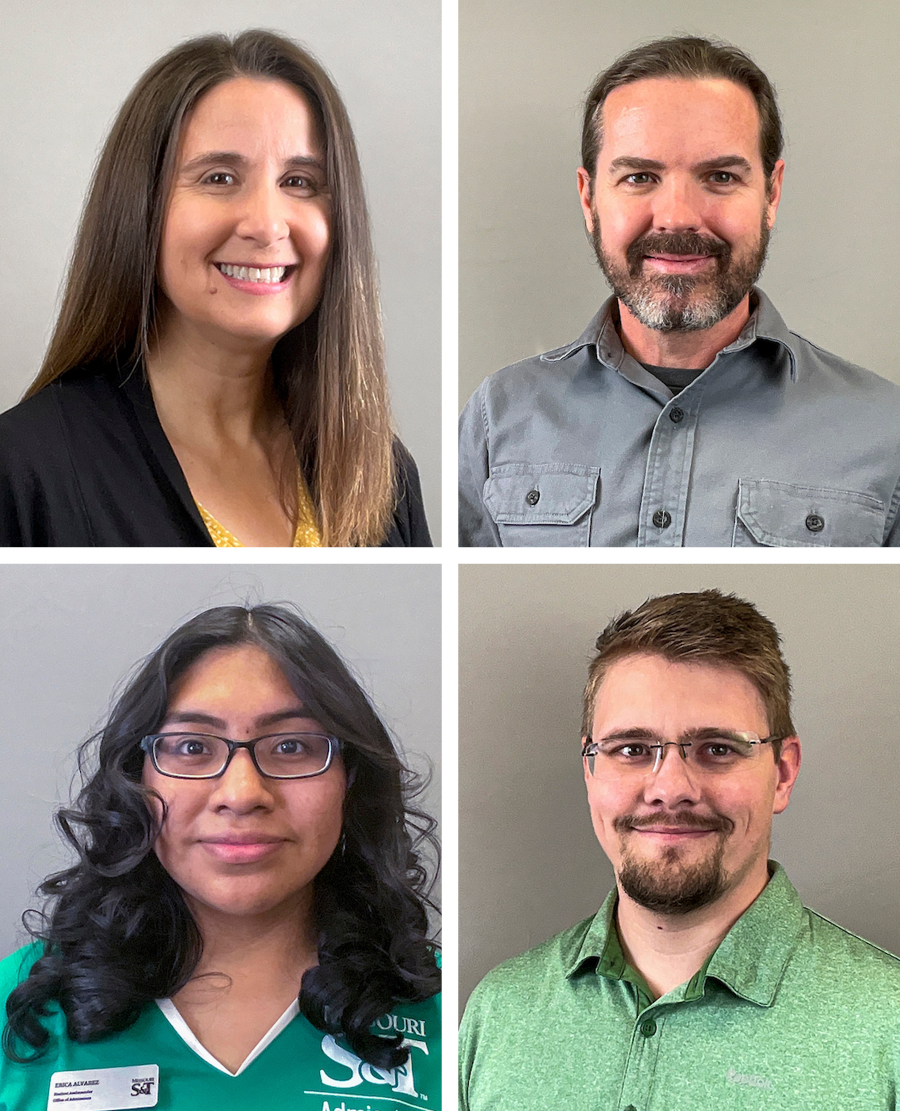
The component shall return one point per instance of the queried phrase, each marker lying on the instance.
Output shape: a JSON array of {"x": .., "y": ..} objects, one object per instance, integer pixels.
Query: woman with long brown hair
[{"x": 216, "y": 374}]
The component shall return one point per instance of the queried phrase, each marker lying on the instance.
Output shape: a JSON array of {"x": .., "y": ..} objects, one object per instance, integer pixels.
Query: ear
[
  {"x": 787, "y": 769},
  {"x": 775, "y": 183},
  {"x": 584, "y": 767},
  {"x": 586, "y": 194}
]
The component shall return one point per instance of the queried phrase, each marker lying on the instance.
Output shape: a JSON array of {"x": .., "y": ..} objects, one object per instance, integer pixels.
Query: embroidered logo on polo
[
  {"x": 748, "y": 1080},
  {"x": 104, "y": 1089}
]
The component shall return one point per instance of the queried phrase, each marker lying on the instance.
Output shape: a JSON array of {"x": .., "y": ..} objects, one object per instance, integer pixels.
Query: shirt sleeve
[{"x": 477, "y": 529}]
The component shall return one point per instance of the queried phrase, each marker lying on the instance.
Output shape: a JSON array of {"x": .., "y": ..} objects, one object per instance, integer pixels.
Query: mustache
[
  {"x": 686, "y": 820},
  {"x": 674, "y": 243}
]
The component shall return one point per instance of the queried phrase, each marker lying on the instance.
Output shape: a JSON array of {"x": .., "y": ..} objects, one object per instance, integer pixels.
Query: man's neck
[
  {"x": 691, "y": 350},
  {"x": 667, "y": 950}
]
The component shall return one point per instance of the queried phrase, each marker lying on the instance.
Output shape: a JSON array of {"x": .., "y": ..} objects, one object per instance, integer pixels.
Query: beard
[
  {"x": 681, "y": 302},
  {"x": 667, "y": 885}
]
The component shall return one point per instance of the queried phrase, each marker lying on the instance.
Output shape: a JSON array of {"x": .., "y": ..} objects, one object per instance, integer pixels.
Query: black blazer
[{"x": 85, "y": 463}]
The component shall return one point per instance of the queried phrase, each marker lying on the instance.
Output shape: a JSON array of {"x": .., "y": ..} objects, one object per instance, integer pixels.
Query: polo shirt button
[
  {"x": 648, "y": 1028},
  {"x": 662, "y": 519},
  {"x": 533, "y": 497},
  {"x": 676, "y": 415},
  {"x": 630, "y": 1107},
  {"x": 815, "y": 523}
]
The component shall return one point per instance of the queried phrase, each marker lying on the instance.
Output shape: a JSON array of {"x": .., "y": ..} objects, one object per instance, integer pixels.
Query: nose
[
  {"x": 242, "y": 788},
  {"x": 672, "y": 780},
  {"x": 263, "y": 215},
  {"x": 677, "y": 205}
]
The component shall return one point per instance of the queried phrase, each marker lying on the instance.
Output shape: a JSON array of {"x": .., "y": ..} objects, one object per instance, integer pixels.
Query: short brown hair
[
  {"x": 691, "y": 58},
  {"x": 705, "y": 627}
]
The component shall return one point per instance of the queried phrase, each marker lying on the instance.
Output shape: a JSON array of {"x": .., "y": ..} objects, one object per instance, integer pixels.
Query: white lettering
[
  {"x": 400, "y": 1079},
  {"x": 340, "y": 1056}
]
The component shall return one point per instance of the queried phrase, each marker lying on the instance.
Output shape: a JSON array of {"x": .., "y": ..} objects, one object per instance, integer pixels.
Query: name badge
[{"x": 104, "y": 1089}]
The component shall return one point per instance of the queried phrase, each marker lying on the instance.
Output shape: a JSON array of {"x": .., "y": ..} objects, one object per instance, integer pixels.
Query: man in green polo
[{"x": 702, "y": 982}]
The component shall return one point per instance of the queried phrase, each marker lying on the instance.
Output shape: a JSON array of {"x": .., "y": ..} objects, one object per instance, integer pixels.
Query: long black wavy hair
[{"x": 117, "y": 932}]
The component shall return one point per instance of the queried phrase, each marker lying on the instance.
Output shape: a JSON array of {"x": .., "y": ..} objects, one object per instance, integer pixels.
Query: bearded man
[
  {"x": 686, "y": 413},
  {"x": 702, "y": 982}
]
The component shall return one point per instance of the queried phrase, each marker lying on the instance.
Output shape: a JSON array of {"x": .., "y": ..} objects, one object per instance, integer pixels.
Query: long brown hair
[{"x": 329, "y": 370}]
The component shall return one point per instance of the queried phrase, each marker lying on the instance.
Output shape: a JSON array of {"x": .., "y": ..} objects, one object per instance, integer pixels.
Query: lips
[
  {"x": 672, "y": 826},
  {"x": 242, "y": 848}
]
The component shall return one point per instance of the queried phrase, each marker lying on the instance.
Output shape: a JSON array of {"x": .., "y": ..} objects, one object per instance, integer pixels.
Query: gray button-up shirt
[{"x": 777, "y": 443}]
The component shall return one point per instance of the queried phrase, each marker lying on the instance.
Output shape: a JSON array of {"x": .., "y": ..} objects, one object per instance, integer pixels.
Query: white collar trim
[{"x": 190, "y": 1039}]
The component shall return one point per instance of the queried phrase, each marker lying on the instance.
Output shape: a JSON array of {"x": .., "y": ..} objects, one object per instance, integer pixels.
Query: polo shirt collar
[
  {"x": 765, "y": 323},
  {"x": 750, "y": 961}
]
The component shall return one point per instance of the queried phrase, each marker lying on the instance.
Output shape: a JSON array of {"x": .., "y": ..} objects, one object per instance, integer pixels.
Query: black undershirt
[{"x": 675, "y": 377}]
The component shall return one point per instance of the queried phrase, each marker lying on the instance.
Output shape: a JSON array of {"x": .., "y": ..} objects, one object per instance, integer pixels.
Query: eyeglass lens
[{"x": 284, "y": 754}]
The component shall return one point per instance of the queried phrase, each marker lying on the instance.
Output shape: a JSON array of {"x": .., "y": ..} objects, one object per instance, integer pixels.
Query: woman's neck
[
  {"x": 279, "y": 944},
  {"x": 203, "y": 393}
]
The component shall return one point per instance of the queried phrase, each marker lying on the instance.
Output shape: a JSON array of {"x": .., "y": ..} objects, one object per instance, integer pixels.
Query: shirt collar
[
  {"x": 750, "y": 960},
  {"x": 765, "y": 323}
]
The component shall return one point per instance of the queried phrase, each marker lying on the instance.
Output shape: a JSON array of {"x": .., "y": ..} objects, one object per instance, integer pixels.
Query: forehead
[
  {"x": 242, "y": 674},
  {"x": 250, "y": 114},
  {"x": 680, "y": 120},
  {"x": 651, "y": 691}
]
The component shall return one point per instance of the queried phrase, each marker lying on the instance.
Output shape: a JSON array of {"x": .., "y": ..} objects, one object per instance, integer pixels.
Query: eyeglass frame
[
  {"x": 658, "y": 759},
  {"x": 149, "y": 746}
]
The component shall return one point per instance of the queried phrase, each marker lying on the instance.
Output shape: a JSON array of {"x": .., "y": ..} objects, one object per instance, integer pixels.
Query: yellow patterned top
[{"x": 306, "y": 534}]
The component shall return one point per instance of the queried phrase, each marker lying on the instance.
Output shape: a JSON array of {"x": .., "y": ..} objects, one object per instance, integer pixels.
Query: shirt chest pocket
[
  {"x": 542, "y": 504},
  {"x": 784, "y": 515}
]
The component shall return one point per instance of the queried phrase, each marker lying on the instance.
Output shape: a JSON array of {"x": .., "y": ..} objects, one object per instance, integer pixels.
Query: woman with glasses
[
  {"x": 246, "y": 922},
  {"x": 216, "y": 375}
]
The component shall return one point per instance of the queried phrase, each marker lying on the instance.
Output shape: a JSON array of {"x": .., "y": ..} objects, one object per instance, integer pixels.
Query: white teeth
[{"x": 271, "y": 275}]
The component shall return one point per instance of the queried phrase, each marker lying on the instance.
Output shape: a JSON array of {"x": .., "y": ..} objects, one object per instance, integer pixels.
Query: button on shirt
[
  {"x": 777, "y": 443},
  {"x": 791, "y": 1013}
]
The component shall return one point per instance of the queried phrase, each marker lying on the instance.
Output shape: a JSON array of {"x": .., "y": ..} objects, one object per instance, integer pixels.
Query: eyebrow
[
  {"x": 640, "y": 165},
  {"x": 198, "y": 717},
  {"x": 233, "y": 158},
  {"x": 702, "y": 733}
]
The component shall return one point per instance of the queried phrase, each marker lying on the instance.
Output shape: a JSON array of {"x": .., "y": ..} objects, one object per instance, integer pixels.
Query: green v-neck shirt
[
  {"x": 790, "y": 1013},
  {"x": 302, "y": 1069}
]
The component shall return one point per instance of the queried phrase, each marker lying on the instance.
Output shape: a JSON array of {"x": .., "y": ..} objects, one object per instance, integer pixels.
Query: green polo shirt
[{"x": 791, "y": 1013}]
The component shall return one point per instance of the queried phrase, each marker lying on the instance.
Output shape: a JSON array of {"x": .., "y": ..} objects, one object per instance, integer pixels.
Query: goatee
[{"x": 666, "y": 884}]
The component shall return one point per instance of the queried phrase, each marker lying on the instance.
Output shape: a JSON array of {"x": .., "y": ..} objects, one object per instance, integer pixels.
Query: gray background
[
  {"x": 528, "y": 279},
  {"x": 65, "y": 69},
  {"x": 529, "y": 863},
  {"x": 70, "y": 634}
]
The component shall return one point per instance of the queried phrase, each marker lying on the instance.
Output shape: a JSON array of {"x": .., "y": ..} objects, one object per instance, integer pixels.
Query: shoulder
[
  {"x": 842, "y": 955},
  {"x": 39, "y": 421},
  {"x": 523, "y": 981},
  {"x": 14, "y": 969},
  {"x": 828, "y": 369},
  {"x": 409, "y": 528},
  {"x": 539, "y": 383}
]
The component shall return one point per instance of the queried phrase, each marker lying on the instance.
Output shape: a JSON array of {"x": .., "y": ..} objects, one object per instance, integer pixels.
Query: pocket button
[
  {"x": 533, "y": 497},
  {"x": 815, "y": 523}
]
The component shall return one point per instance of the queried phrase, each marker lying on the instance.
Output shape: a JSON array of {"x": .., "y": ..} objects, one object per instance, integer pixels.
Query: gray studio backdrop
[
  {"x": 70, "y": 634},
  {"x": 529, "y": 863},
  {"x": 65, "y": 69},
  {"x": 528, "y": 279}
]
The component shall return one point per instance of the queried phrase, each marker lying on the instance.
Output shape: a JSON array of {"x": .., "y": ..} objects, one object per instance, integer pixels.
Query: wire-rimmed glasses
[
  {"x": 708, "y": 751},
  {"x": 207, "y": 756}
]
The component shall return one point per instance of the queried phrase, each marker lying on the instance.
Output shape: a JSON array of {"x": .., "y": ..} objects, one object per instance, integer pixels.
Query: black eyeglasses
[{"x": 275, "y": 756}]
